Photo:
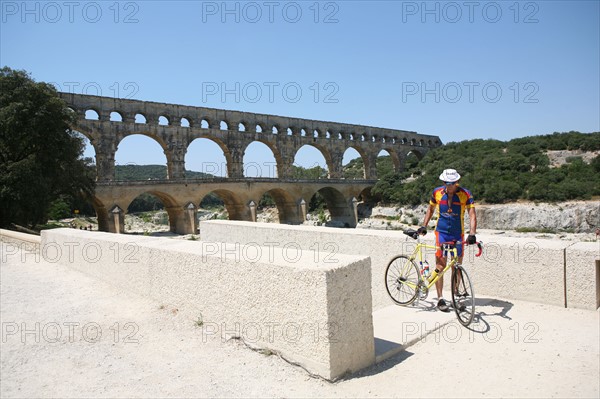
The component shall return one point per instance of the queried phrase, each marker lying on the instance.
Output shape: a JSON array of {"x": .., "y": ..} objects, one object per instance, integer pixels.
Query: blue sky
[{"x": 459, "y": 70}]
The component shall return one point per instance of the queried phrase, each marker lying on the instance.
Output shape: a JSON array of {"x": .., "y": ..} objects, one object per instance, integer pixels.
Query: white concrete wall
[
  {"x": 583, "y": 275},
  {"x": 314, "y": 312},
  {"x": 524, "y": 269},
  {"x": 323, "y": 242},
  {"x": 28, "y": 242},
  {"x": 513, "y": 268}
]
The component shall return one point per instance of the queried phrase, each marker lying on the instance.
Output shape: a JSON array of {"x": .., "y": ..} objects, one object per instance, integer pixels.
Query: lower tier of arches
[{"x": 181, "y": 200}]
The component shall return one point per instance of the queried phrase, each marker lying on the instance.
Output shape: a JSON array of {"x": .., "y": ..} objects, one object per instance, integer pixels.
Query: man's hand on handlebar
[
  {"x": 471, "y": 239},
  {"x": 422, "y": 230}
]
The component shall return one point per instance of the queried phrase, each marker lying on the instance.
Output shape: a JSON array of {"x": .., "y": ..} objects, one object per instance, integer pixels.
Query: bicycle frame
[{"x": 450, "y": 251}]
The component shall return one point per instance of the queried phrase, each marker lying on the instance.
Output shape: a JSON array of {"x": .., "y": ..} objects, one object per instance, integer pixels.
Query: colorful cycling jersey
[{"x": 451, "y": 212}]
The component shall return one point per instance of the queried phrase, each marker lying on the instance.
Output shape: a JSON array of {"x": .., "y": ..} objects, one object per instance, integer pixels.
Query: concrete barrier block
[
  {"x": 524, "y": 269},
  {"x": 21, "y": 241},
  {"x": 313, "y": 312},
  {"x": 583, "y": 275},
  {"x": 323, "y": 242},
  {"x": 114, "y": 258},
  {"x": 520, "y": 268}
]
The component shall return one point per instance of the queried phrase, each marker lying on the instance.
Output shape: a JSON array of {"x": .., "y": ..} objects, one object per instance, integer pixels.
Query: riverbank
[{"x": 573, "y": 220}]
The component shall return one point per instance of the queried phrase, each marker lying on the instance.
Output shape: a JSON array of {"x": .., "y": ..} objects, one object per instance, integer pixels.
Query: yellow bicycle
[{"x": 405, "y": 281}]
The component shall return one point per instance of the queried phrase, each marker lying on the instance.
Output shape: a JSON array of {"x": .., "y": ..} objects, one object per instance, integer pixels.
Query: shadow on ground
[{"x": 486, "y": 310}]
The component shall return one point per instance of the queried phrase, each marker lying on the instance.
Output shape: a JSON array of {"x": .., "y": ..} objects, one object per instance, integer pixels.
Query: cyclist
[{"x": 450, "y": 201}]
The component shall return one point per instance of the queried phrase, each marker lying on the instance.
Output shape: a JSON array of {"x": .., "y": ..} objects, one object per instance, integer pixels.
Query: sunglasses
[{"x": 450, "y": 183}]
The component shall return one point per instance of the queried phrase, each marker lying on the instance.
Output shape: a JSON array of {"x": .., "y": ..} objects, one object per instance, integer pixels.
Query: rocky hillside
[
  {"x": 577, "y": 216},
  {"x": 574, "y": 216}
]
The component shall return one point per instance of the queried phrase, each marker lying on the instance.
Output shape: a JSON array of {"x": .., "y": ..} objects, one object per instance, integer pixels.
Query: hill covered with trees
[
  {"x": 151, "y": 172},
  {"x": 498, "y": 171}
]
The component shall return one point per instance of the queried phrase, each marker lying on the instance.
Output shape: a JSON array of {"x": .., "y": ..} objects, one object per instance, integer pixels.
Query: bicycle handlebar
[
  {"x": 414, "y": 235},
  {"x": 478, "y": 243},
  {"x": 480, "y": 246}
]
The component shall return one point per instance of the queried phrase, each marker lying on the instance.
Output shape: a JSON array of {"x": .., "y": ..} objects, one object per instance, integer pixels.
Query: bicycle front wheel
[
  {"x": 463, "y": 297},
  {"x": 401, "y": 280}
]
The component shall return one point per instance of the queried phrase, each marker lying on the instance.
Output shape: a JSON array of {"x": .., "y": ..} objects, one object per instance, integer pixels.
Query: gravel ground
[{"x": 67, "y": 335}]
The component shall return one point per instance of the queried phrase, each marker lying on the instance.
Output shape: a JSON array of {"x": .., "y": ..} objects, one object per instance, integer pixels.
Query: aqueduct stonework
[{"x": 174, "y": 127}]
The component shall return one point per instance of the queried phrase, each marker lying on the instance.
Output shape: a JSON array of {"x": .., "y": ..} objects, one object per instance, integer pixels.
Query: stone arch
[
  {"x": 153, "y": 136},
  {"x": 276, "y": 154},
  {"x": 174, "y": 210},
  {"x": 364, "y": 195},
  {"x": 186, "y": 121},
  {"x": 338, "y": 205},
  {"x": 168, "y": 160},
  {"x": 287, "y": 209},
  {"x": 115, "y": 116},
  {"x": 222, "y": 170},
  {"x": 92, "y": 114},
  {"x": 419, "y": 153},
  {"x": 94, "y": 142},
  {"x": 409, "y": 159},
  {"x": 331, "y": 167},
  {"x": 234, "y": 204},
  {"x": 363, "y": 155},
  {"x": 140, "y": 118},
  {"x": 84, "y": 131},
  {"x": 394, "y": 157},
  {"x": 163, "y": 120}
]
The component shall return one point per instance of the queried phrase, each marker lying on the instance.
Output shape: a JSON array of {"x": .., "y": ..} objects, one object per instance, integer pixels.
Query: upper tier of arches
[{"x": 107, "y": 121}]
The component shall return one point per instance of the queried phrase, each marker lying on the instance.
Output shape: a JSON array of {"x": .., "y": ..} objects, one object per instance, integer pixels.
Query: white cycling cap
[{"x": 449, "y": 175}]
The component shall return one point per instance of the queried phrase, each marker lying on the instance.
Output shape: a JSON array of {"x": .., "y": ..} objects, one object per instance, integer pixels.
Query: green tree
[
  {"x": 40, "y": 156},
  {"x": 59, "y": 209}
]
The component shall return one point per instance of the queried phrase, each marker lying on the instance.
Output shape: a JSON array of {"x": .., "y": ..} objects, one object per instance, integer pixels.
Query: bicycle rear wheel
[
  {"x": 463, "y": 297},
  {"x": 401, "y": 280}
]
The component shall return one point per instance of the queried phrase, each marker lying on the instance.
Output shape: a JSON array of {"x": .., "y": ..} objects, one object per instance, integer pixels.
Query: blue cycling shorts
[{"x": 445, "y": 237}]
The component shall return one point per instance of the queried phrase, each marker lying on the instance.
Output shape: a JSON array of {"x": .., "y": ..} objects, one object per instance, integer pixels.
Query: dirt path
[{"x": 149, "y": 349}]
